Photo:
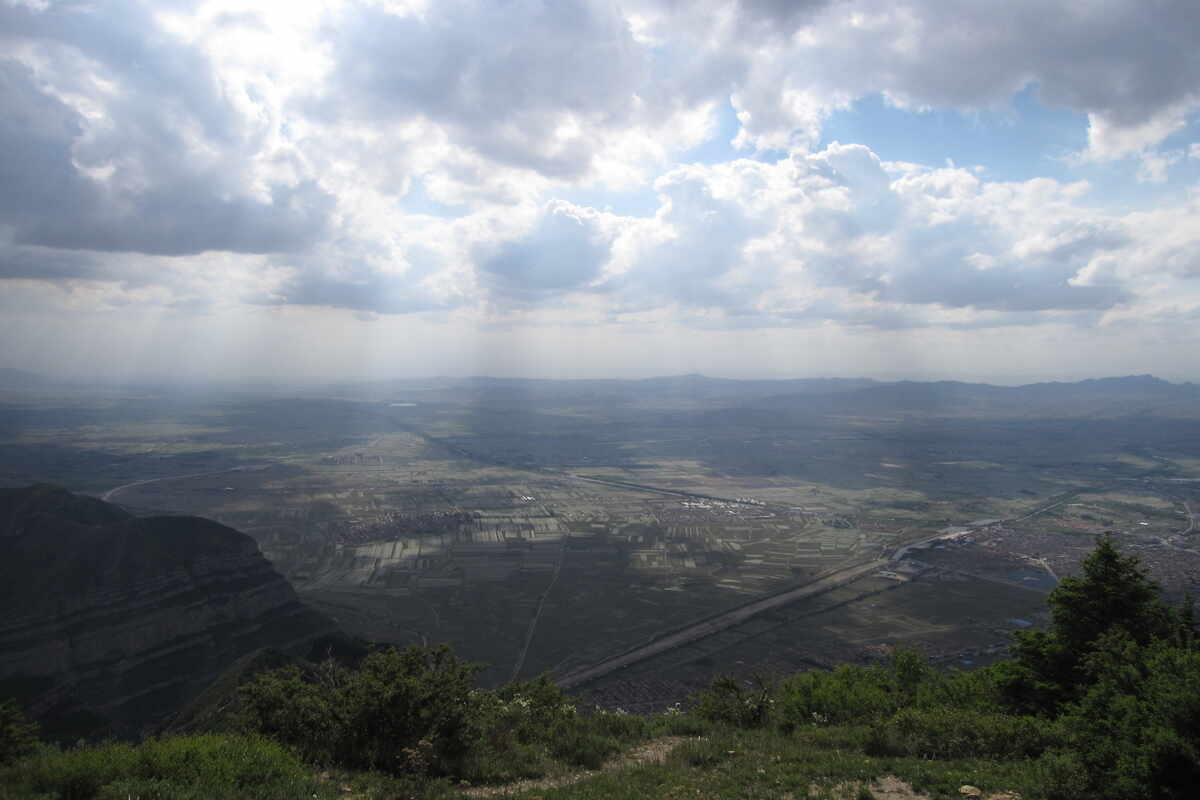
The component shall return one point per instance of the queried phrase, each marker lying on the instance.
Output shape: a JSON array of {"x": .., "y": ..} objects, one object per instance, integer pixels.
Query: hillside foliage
[{"x": 1103, "y": 703}]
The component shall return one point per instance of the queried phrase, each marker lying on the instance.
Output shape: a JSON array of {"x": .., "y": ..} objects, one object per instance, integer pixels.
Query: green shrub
[
  {"x": 511, "y": 761},
  {"x": 238, "y": 763},
  {"x": 400, "y": 711},
  {"x": 286, "y": 705},
  {"x": 580, "y": 746},
  {"x": 77, "y": 774},
  {"x": 977, "y": 690},
  {"x": 407, "y": 711},
  {"x": 624, "y": 727},
  {"x": 948, "y": 733},
  {"x": 152, "y": 789},
  {"x": 18, "y": 736},
  {"x": 1136, "y": 731},
  {"x": 701, "y": 753},
  {"x": 177, "y": 768},
  {"x": 848, "y": 694},
  {"x": 520, "y": 713},
  {"x": 729, "y": 701},
  {"x": 537, "y": 704},
  {"x": 675, "y": 723}
]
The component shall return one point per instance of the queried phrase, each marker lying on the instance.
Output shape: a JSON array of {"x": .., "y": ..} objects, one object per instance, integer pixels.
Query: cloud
[
  {"x": 1109, "y": 140},
  {"x": 363, "y": 276},
  {"x": 1132, "y": 69},
  {"x": 408, "y": 161},
  {"x": 526, "y": 83},
  {"x": 120, "y": 138},
  {"x": 693, "y": 253},
  {"x": 1155, "y": 166},
  {"x": 41, "y": 263},
  {"x": 838, "y": 235},
  {"x": 565, "y": 251}
]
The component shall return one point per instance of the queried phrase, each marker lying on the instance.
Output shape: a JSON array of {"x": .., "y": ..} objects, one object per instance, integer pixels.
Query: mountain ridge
[{"x": 112, "y": 622}]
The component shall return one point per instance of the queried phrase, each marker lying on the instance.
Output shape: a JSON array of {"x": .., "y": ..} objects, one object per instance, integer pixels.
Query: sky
[{"x": 582, "y": 188}]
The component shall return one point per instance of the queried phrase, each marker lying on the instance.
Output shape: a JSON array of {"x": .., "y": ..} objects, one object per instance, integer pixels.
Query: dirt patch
[
  {"x": 654, "y": 751},
  {"x": 889, "y": 787}
]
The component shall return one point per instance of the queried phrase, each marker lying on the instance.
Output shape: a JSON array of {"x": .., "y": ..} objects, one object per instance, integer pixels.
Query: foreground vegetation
[{"x": 1105, "y": 703}]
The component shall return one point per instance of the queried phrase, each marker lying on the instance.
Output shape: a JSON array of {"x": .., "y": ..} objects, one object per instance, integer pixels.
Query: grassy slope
[
  {"x": 769, "y": 764},
  {"x": 713, "y": 761}
]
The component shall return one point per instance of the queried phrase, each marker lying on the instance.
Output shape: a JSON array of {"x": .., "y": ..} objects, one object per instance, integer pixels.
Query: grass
[
  {"x": 177, "y": 768},
  {"x": 713, "y": 761},
  {"x": 765, "y": 763}
]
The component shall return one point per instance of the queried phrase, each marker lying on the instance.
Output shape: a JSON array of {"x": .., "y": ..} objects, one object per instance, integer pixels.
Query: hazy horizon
[{"x": 13, "y": 376}]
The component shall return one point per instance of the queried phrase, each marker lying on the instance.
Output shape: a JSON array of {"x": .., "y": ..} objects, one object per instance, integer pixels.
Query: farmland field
[{"x": 546, "y": 526}]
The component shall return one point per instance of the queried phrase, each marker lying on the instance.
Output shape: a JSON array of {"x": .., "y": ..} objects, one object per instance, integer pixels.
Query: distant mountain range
[
  {"x": 1114, "y": 396},
  {"x": 1133, "y": 394},
  {"x": 24, "y": 380}
]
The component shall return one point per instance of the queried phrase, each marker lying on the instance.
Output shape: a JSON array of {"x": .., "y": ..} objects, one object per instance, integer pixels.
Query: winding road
[{"x": 108, "y": 496}]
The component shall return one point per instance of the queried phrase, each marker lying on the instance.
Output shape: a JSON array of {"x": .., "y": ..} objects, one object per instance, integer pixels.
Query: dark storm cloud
[
  {"x": 127, "y": 177},
  {"x": 40, "y": 263},
  {"x": 779, "y": 16},
  {"x": 36, "y": 132}
]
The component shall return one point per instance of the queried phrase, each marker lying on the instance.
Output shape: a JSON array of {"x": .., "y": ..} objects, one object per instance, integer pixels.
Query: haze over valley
[{"x": 634, "y": 538}]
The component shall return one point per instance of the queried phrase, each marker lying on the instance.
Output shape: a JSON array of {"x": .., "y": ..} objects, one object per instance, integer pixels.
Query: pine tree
[{"x": 1112, "y": 595}]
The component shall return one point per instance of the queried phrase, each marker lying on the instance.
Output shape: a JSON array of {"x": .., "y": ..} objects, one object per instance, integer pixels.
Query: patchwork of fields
[{"x": 549, "y": 532}]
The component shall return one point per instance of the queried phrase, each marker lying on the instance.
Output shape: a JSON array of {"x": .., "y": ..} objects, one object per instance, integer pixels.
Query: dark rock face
[{"x": 109, "y": 622}]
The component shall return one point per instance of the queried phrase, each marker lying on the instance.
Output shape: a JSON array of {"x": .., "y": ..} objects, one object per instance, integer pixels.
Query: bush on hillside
[
  {"x": 182, "y": 768},
  {"x": 1113, "y": 593},
  {"x": 950, "y": 733},
  {"x": 729, "y": 701},
  {"x": 1119, "y": 671},
  {"x": 850, "y": 693},
  {"x": 400, "y": 711},
  {"x": 415, "y": 711},
  {"x": 862, "y": 694},
  {"x": 511, "y": 728},
  {"x": 18, "y": 736},
  {"x": 1136, "y": 732}
]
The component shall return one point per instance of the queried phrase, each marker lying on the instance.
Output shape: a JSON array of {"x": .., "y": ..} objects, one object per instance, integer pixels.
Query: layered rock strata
[{"x": 109, "y": 622}]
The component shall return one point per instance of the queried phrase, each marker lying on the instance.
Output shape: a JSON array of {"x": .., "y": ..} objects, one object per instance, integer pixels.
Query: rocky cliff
[{"x": 109, "y": 622}]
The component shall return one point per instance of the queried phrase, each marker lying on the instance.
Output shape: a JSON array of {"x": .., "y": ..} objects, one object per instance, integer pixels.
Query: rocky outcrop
[{"x": 109, "y": 622}]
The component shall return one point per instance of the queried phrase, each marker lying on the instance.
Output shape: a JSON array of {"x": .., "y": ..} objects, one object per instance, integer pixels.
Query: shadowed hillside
[{"x": 111, "y": 622}]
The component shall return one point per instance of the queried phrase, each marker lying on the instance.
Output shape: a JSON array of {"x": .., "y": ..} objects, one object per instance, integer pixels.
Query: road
[
  {"x": 533, "y": 623},
  {"x": 1038, "y": 511},
  {"x": 108, "y": 496},
  {"x": 718, "y": 623}
]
